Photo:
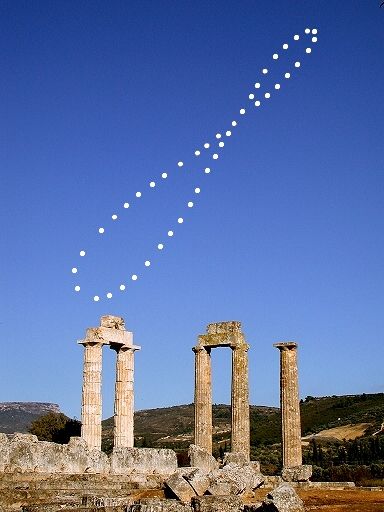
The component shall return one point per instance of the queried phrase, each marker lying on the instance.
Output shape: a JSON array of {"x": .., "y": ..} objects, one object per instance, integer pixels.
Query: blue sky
[{"x": 98, "y": 99}]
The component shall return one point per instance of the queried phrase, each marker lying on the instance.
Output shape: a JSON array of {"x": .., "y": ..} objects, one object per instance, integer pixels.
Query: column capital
[
  {"x": 244, "y": 347},
  {"x": 286, "y": 345},
  {"x": 124, "y": 348},
  {"x": 201, "y": 348}
]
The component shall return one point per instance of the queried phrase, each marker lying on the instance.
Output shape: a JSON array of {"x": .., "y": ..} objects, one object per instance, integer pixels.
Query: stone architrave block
[
  {"x": 297, "y": 473},
  {"x": 143, "y": 460},
  {"x": 202, "y": 459},
  {"x": 160, "y": 505},
  {"x": 198, "y": 479},
  {"x": 283, "y": 499},
  {"x": 217, "y": 504},
  {"x": 233, "y": 479},
  {"x": 180, "y": 487}
]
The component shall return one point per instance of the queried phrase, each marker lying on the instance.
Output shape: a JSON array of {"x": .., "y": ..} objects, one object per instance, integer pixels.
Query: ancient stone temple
[
  {"x": 223, "y": 334},
  {"x": 111, "y": 332}
]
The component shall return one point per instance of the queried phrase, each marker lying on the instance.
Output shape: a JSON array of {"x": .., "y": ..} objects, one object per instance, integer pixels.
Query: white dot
[
  {"x": 265, "y": 71},
  {"x": 267, "y": 95},
  {"x": 170, "y": 233},
  {"x": 218, "y": 135},
  {"x": 221, "y": 144},
  {"x": 285, "y": 46},
  {"x": 275, "y": 56},
  {"x": 152, "y": 184},
  {"x": 126, "y": 205},
  {"x": 134, "y": 277},
  {"x": 242, "y": 111},
  {"x": 101, "y": 230},
  {"x": 109, "y": 295},
  {"x": 190, "y": 204},
  {"x": 160, "y": 246},
  {"x": 257, "y": 103},
  {"x": 215, "y": 156},
  {"x": 308, "y": 50},
  {"x": 257, "y": 85},
  {"x": 277, "y": 86},
  {"x": 122, "y": 287},
  {"x": 164, "y": 175},
  {"x": 96, "y": 298},
  {"x": 307, "y": 31},
  {"x": 138, "y": 194},
  {"x": 207, "y": 170},
  {"x": 114, "y": 216},
  {"x": 147, "y": 263},
  {"x": 251, "y": 96},
  {"x": 297, "y": 64},
  {"x": 287, "y": 75},
  {"x": 314, "y": 39},
  {"x": 77, "y": 288},
  {"x": 82, "y": 253},
  {"x": 197, "y": 190},
  {"x": 228, "y": 133},
  {"x": 296, "y": 37},
  {"x": 180, "y": 164},
  {"x": 206, "y": 145},
  {"x": 197, "y": 152},
  {"x": 314, "y": 31},
  {"x": 234, "y": 123},
  {"x": 180, "y": 220}
]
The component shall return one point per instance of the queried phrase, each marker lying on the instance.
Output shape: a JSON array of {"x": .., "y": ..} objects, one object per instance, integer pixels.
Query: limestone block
[
  {"x": 201, "y": 459},
  {"x": 233, "y": 479},
  {"x": 143, "y": 460},
  {"x": 159, "y": 505},
  {"x": 217, "y": 504},
  {"x": 180, "y": 487},
  {"x": 4, "y": 452},
  {"x": 283, "y": 499},
  {"x": 237, "y": 458},
  {"x": 297, "y": 474},
  {"x": 198, "y": 479}
]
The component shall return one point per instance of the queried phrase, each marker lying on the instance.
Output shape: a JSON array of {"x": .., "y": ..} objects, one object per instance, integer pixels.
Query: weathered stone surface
[
  {"x": 257, "y": 506},
  {"x": 180, "y": 487},
  {"x": 297, "y": 474},
  {"x": 198, "y": 479},
  {"x": 290, "y": 405},
  {"x": 237, "y": 458},
  {"x": 159, "y": 505},
  {"x": 143, "y": 460},
  {"x": 217, "y": 504},
  {"x": 202, "y": 459},
  {"x": 233, "y": 480},
  {"x": 283, "y": 499}
]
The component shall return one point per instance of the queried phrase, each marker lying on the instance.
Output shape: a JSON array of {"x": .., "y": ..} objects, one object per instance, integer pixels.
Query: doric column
[
  {"x": 124, "y": 396},
  {"x": 240, "y": 437},
  {"x": 91, "y": 394},
  {"x": 203, "y": 398},
  {"x": 290, "y": 405}
]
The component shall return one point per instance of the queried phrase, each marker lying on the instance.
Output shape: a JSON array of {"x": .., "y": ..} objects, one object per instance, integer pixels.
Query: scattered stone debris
[
  {"x": 217, "y": 504},
  {"x": 202, "y": 459},
  {"x": 282, "y": 499},
  {"x": 297, "y": 474}
]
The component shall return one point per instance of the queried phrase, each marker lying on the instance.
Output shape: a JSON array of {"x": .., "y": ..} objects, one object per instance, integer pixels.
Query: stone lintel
[
  {"x": 107, "y": 336},
  {"x": 112, "y": 322},
  {"x": 285, "y": 345},
  {"x": 224, "y": 327},
  {"x": 221, "y": 340}
]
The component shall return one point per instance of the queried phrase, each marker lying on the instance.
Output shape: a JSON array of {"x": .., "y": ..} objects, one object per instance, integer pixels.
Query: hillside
[
  {"x": 17, "y": 416},
  {"x": 172, "y": 427}
]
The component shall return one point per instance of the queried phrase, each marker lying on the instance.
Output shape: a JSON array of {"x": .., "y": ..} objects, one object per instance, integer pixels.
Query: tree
[{"x": 55, "y": 427}]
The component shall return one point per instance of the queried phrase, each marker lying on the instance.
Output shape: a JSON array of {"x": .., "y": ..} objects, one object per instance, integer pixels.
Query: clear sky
[{"x": 100, "y": 98}]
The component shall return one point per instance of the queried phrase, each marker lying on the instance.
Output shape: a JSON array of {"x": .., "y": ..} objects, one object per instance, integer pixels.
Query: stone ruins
[{"x": 42, "y": 476}]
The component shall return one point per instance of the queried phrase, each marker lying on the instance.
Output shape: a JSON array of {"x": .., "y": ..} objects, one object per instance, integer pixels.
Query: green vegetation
[{"x": 55, "y": 427}]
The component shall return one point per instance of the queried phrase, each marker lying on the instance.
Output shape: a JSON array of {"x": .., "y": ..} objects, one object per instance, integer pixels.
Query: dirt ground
[{"x": 348, "y": 500}]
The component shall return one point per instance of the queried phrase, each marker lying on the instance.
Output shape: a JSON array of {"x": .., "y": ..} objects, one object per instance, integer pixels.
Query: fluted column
[
  {"x": 240, "y": 437},
  {"x": 124, "y": 397},
  {"x": 203, "y": 398},
  {"x": 91, "y": 395},
  {"x": 290, "y": 405}
]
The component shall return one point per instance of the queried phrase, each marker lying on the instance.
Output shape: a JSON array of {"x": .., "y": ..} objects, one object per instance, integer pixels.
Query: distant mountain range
[
  {"x": 17, "y": 416},
  {"x": 172, "y": 427}
]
